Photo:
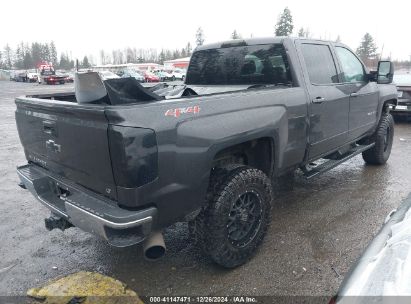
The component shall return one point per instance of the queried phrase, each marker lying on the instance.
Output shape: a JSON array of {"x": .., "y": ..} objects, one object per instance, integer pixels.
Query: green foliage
[
  {"x": 2, "y": 64},
  {"x": 162, "y": 57},
  {"x": 367, "y": 49},
  {"x": 45, "y": 52},
  {"x": 8, "y": 57},
  {"x": 304, "y": 33},
  {"x": 235, "y": 35},
  {"x": 27, "y": 60},
  {"x": 284, "y": 26},
  {"x": 65, "y": 62},
  {"x": 199, "y": 36},
  {"x": 183, "y": 52},
  {"x": 188, "y": 49},
  {"x": 131, "y": 55},
  {"x": 18, "y": 57},
  {"x": 53, "y": 53},
  {"x": 28, "y": 56},
  {"x": 36, "y": 53},
  {"x": 176, "y": 54},
  {"x": 85, "y": 64}
]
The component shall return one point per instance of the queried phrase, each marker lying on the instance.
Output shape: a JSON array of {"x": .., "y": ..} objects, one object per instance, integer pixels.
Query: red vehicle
[
  {"x": 68, "y": 77},
  {"x": 150, "y": 77},
  {"x": 48, "y": 75}
]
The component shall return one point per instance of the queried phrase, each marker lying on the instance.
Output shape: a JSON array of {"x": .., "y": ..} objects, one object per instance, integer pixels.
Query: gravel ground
[{"x": 318, "y": 230}]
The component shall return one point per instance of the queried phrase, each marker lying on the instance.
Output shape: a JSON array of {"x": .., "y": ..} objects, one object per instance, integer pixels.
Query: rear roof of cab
[
  {"x": 234, "y": 42},
  {"x": 254, "y": 41}
]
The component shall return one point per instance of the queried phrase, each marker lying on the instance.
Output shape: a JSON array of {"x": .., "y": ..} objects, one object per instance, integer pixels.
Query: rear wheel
[
  {"x": 383, "y": 138},
  {"x": 235, "y": 220}
]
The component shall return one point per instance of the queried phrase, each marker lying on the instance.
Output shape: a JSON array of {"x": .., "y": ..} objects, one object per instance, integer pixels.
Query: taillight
[{"x": 133, "y": 153}]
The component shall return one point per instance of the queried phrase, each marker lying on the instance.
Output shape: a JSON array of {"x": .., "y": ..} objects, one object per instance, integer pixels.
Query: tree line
[
  {"x": 29, "y": 56},
  {"x": 141, "y": 55}
]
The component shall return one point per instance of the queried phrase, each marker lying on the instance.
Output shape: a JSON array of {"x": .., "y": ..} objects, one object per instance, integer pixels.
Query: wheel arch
[
  {"x": 258, "y": 153},
  {"x": 386, "y": 104}
]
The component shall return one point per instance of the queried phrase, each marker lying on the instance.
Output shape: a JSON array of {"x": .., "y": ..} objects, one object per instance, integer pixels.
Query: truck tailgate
[{"x": 68, "y": 139}]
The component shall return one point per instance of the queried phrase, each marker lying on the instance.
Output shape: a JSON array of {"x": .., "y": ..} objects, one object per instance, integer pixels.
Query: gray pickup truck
[{"x": 124, "y": 161}]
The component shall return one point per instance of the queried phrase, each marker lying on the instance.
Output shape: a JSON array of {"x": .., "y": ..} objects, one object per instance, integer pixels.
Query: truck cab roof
[{"x": 255, "y": 41}]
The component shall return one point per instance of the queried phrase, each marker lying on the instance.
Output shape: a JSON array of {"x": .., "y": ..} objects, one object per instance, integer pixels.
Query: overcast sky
[{"x": 84, "y": 27}]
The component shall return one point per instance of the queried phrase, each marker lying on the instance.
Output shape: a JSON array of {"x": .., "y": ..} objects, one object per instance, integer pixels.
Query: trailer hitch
[{"x": 54, "y": 222}]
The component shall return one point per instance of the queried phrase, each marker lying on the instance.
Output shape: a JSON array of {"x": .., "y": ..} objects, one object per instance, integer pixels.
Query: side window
[
  {"x": 320, "y": 63},
  {"x": 351, "y": 66}
]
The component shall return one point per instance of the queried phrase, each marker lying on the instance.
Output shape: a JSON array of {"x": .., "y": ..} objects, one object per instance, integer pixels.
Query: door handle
[
  {"x": 318, "y": 99},
  {"x": 354, "y": 94}
]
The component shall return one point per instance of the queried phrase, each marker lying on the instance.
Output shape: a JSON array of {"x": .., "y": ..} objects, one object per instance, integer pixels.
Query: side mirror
[{"x": 385, "y": 72}]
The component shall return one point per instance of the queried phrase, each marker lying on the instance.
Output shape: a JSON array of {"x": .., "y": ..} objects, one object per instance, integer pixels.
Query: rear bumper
[{"x": 87, "y": 210}]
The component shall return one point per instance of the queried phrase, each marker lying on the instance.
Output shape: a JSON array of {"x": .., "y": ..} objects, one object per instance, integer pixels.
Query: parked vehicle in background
[
  {"x": 132, "y": 73},
  {"x": 62, "y": 74},
  {"x": 178, "y": 74},
  {"x": 151, "y": 77},
  {"x": 32, "y": 76},
  {"x": 21, "y": 77},
  {"x": 48, "y": 75},
  {"x": 163, "y": 75},
  {"x": 403, "y": 83},
  {"x": 13, "y": 76},
  {"x": 24, "y": 76},
  {"x": 207, "y": 151},
  {"x": 69, "y": 77},
  {"x": 107, "y": 75}
]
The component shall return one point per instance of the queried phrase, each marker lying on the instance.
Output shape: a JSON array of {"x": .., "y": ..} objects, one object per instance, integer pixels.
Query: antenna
[{"x": 382, "y": 50}]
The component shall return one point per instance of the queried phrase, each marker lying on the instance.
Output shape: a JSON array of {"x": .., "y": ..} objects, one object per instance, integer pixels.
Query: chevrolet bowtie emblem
[{"x": 52, "y": 146}]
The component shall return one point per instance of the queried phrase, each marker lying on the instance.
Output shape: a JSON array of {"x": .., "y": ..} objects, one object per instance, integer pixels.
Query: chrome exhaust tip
[{"x": 154, "y": 247}]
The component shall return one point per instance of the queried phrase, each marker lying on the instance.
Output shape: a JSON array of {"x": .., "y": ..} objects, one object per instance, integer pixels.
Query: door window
[
  {"x": 320, "y": 63},
  {"x": 353, "y": 70}
]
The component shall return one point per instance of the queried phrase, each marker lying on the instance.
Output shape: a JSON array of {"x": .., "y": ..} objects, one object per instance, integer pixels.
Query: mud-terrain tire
[
  {"x": 235, "y": 219},
  {"x": 383, "y": 138}
]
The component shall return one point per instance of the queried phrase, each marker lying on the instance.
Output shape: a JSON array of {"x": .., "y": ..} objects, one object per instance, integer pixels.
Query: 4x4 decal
[{"x": 178, "y": 111}]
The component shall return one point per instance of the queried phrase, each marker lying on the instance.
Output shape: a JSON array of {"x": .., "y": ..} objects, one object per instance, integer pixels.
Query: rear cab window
[{"x": 240, "y": 65}]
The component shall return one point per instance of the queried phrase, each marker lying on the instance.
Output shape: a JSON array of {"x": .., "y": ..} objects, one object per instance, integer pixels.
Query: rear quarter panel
[{"x": 187, "y": 144}]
